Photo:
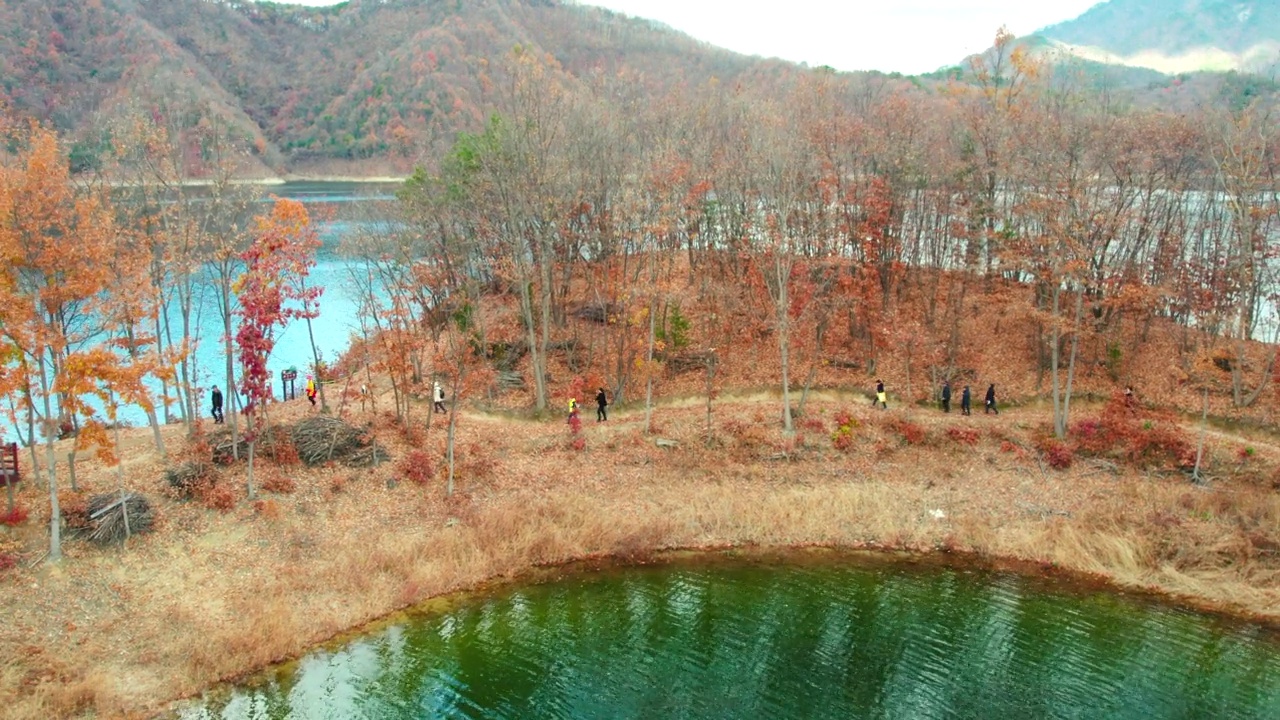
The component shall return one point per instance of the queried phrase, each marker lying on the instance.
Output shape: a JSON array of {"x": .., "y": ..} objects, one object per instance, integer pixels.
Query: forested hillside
[
  {"x": 373, "y": 87},
  {"x": 385, "y": 80}
]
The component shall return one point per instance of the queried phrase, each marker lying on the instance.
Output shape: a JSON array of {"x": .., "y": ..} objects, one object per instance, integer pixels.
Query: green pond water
[{"x": 866, "y": 639}]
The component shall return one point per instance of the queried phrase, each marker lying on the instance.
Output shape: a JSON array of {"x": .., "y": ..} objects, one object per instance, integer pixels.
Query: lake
[{"x": 847, "y": 639}]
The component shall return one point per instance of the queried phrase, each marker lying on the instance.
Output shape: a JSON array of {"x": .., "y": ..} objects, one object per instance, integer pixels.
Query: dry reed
[{"x": 233, "y": 593}]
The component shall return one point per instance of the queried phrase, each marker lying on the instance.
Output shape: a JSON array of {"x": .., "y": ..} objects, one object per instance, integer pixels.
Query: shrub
[
  {"x": 842, "y": 437},
  {"x": 1057, "y": 454},
  {"x": 1091, "y": 436},
  {"x": 218, "y": 497},
  {"x": 267, "y": 509},
  {"x": 413, "y": 435},
  {"x": 8, "y": 561},
  {"x": 963, "y": 436},
  {"x": 746, "y": 434},
  {"x": 278, "y": 483},
  {"x": 478, "y": 463},
  {"x": 814, "y": 424},
  {"x": 911, "y": 432},
  {"x": 1243, "y": 454},
  {"x": 17, "y": 517},
  {"x": 417, "y": 468},
  {"x": 1133, "y": 436},
  {"x": 579, "y": 443},
  {"x": 285, "y": 453}
]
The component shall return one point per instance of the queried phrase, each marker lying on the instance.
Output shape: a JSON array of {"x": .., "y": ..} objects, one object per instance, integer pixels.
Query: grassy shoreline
[{"x": 214, "y": 597}]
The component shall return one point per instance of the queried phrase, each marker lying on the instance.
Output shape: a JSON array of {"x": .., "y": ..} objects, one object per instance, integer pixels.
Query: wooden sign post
[{"x": 287, "y": 378}]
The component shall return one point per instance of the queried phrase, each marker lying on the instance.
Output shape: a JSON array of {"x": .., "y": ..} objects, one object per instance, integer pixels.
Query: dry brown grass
[{"x": 212, "y": 596}]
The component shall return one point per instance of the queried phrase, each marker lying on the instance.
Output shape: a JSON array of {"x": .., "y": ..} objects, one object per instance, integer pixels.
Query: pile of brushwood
[
  {"x": 186, "y": 479},
  {"x": 318, "y": 439},
  {"x": 115, "y": 516},
  {"x": 321, "y": 439}
]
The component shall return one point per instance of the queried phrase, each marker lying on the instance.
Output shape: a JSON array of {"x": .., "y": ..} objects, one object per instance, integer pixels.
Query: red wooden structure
[{"x": 9, "y": 472}]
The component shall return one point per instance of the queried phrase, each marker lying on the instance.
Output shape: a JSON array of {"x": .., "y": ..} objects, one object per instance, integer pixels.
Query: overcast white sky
[{"x": 909, "y": 36}]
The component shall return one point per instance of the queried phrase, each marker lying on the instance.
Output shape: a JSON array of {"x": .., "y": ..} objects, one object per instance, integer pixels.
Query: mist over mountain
[{"x": 1174, "y": 36}]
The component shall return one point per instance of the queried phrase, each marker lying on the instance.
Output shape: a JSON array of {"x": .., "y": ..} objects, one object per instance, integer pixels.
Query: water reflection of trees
[{"x": 796, "y": 643}]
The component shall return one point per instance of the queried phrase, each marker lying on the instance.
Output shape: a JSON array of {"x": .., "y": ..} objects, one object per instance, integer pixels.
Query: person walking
[
  {"x": 880, "y": 397},
  {"x": 215, "y": 397},
  {"x": 965, "y": 405},
  {"x": 311, "y": 390},
  {"x": 573, "y": 408},
  {"x": 601, "y": 403},
  {"x": 946, "y": 396},
  {"x": 437, "y": 398},
  {"x": 991, "y": 400}
]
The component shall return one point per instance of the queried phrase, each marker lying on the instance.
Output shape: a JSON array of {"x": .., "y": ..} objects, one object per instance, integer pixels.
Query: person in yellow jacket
[
  {"x": 573, "y": 407},
  {"x": 311, "y": 390}
]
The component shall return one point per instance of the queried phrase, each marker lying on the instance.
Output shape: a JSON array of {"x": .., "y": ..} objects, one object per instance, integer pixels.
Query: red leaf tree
[{"x": 272, "y": 291}]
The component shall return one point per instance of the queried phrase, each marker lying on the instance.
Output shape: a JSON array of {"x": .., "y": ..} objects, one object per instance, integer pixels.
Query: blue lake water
[{"x": 337, "y": 322}]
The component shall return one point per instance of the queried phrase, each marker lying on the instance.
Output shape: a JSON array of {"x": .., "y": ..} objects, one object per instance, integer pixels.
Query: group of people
[
  {"x": 602, "y": 403},
  {"x": 215, "y": 399},
  {"x": 882, "y": 399}
]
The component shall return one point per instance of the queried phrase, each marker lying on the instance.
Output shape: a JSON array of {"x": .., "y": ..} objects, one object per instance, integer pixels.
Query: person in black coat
[
  {"x": 964, "y": 401},
  {"x": 215, "y": 398},
  {"x": 946, "y": 396},
  {"x": 601, "y": 403},
  {"x": 880, "y": 396},
  {"x": 991, "y": 400}
]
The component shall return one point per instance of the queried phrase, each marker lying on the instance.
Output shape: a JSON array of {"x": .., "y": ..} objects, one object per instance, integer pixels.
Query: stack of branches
[
  {"x": 842, "y": 363},
  {"x": 510, "y": 380},
  {"x": 224, "y": 454},
  {"x": 224, "y": 451},
  {"x": 572, "y": 355},
  {"x": 596, "y": 312},
  {"x": 369, "y": 456},
  {"x": 187, "y": 477},
  {"x": 688, "y": 361},
  {"x": 506, "y": 355},
  {"x": 321, "y": 438},
  {"x": 111, "y": 513}
]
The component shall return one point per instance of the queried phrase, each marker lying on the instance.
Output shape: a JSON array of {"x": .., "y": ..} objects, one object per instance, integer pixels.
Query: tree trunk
[
  {"x": 124, "y": 506},
  {"x": 151, "y": 411},
  {"x": 535, "y": 357},
  {"x": 1071, "y": 363},
  {"x": 55, "y": 512},
  {"x": 315, "y": 357},
  {"x": 1059, "y": 426},
  {"x": 452, "y": 433},
  {"x": 711, "y": 374},
  {"x": 249, "y": 477},
  {"x": 783, "y": 274},
  {"x": 231, "y": 403},
  {"x": 191, "y": 414},
  {"x": 1204, "y": 424},
  {"x": 648, "y": 382}
]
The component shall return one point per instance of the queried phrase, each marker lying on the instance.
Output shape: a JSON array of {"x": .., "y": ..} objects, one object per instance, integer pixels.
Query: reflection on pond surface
[{"x": 751, "y": 641}]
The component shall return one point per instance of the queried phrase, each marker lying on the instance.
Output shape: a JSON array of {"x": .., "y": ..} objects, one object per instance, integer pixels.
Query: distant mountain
[
  {"x": 359, "y": 87},
  {"x": 1174, "y": 36}
]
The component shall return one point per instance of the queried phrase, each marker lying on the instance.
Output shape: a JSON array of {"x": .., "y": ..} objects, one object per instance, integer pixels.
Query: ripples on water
[{"x": 784, "y": 642}]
